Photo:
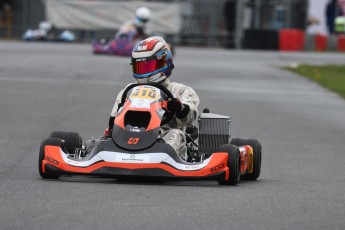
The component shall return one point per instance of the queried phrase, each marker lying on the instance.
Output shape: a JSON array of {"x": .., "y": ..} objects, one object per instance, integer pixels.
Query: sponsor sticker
[
  {"x": 133, "y": 141},
  {"x": 140, "y": 59},
  {"x": 52, "y": 160},
  {"x": 142, "y": 48},
  {"x": 135, "y": 130},
  {"x": 133, "y": 158},
  {"x": 140, "y": 103},
  {"x": 217, "y": 168},
  {"x": 145, "y": 92},
  {"x": 191, "y": 167}
]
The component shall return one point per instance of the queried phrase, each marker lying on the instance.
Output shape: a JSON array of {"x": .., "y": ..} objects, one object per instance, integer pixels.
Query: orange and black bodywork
[
  {"x": 136, "y": 150},
  {"x": 160, "y": 160}
]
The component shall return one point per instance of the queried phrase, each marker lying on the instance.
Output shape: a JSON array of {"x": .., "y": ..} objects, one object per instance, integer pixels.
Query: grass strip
[{"x": 331, "y": 77}]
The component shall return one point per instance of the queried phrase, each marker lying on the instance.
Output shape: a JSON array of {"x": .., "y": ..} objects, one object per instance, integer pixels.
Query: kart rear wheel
[
  {"x": 257, "y": 152},
  {"x": 233, "y": 164},
  {"x": 72, "y": 140},
  {"x": 49, "y": 141}
]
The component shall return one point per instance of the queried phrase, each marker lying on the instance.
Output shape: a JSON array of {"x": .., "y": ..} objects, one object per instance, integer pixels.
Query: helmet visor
[
  {"x": 148, "y": 66},
  {"x": 144, "y": 20}
]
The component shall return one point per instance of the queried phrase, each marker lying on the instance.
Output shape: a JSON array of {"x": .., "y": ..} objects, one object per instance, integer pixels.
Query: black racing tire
[
  {"x": 257, "y": 154},
  {"x": 49, "y": 141},
  {"x": 233, "y": 164},
  {"x": 72, "y": 140}
]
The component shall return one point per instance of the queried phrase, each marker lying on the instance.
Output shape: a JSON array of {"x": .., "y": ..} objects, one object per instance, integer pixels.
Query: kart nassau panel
[
  {"x": 138, "y": 121},
  {"x": 134, "y": 140},
  {"x": 143, "y": 99},
  {"x": 117, "y": 163}
]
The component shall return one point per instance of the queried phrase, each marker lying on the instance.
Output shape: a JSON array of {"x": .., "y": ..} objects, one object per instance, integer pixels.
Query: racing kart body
[
  {"x": 122, "y": 44},
  {"x": 47, "y": 32},
  {"x": 136, "y": 150}
]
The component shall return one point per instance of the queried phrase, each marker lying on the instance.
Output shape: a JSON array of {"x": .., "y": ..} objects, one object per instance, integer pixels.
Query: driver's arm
[
  {"x": 188, "y": 96},
  {"x": 117, "y": 102},
  {"x": 115, "y": 109}
]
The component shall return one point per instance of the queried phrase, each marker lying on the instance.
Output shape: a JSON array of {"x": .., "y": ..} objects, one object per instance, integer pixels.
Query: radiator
[{"x": 214, "y": 131}]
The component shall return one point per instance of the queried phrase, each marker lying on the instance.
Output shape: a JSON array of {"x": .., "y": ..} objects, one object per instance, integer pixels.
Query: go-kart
[
  {"x": 135, "y": 149},
  {"x": 122, "y": 44},
  {"x": 48, "y": 32}
]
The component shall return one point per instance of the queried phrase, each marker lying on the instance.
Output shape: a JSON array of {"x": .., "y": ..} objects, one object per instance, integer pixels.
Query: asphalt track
[{"x": 46, "y": 87}]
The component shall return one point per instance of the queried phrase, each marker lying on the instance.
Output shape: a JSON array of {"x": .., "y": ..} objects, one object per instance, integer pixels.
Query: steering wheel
[{"x": 168, "y": 115}]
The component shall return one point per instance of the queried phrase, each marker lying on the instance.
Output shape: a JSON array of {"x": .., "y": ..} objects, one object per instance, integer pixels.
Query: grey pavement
[{"x": 46, "y": 87}]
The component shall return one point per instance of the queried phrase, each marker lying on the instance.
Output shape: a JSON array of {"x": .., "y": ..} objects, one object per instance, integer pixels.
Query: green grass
[{"x": 331, "y": 77}]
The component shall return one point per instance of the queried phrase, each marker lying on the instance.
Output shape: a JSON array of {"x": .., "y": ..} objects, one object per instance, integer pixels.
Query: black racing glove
[
  {"x": 111, "y": 123},
  {"x": 181, "y": 110}
]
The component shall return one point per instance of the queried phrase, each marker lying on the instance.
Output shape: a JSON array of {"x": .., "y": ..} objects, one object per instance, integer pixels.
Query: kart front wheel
[
  {"x": 72, "y": 140},
  {"x": 233, "y": 164},
  {"x": 257, "y": 152},
  {"x": 49, "y": 141}
]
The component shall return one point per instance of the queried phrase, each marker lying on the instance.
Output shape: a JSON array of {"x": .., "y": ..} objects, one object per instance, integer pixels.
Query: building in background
[
  {"x": 25, "y": 14},
  {"x": 6, "y": 17},
  {"x": 261, "y": 21},
  {"x": 202, "y": 22}
]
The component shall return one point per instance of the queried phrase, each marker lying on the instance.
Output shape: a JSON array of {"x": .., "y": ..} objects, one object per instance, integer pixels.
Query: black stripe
[{"x": 111, "y": 172}]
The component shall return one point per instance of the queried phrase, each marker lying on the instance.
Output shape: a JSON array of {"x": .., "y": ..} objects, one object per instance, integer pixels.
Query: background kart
[
  {"x": 135, "y": 149},
  {"x": 48, "y": 32},
  {"x": 122, "y": 44}
]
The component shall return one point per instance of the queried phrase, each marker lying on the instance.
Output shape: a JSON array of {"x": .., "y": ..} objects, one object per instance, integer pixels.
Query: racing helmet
[
  {"x": 152, "y": 60},
  {"x": 142, "y": 16}
]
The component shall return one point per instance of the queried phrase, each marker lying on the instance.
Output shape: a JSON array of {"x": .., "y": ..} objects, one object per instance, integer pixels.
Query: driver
[
  {"x": 138, "y": 23},
  {"x": 152, "y": 63}
]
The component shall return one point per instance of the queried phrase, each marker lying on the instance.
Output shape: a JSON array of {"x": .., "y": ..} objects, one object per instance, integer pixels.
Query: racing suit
[
  {"x": 140, "y": 32},
  {"x": 172, "y": 132}
]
